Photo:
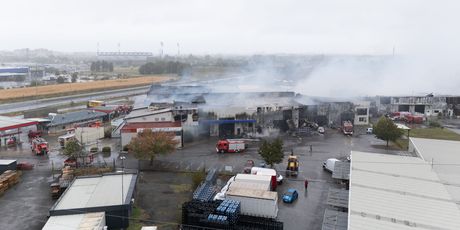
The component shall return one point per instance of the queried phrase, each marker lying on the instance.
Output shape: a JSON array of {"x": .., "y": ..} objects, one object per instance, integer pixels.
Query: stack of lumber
[
  {"x": 8, "y": 179},
  {"x": 67, "y": 176}
]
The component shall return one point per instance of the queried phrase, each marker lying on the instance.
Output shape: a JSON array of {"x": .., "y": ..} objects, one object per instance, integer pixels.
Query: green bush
[
  {"x": 106, "y": 149},
  {"x": 198, "y": 177},
  {"x": 434, "y": 124},
  {"x": 94, "y": 150}
]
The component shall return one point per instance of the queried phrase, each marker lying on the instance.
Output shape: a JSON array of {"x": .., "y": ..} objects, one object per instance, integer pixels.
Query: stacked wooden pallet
[
  {"x": 67, "y": 176},
  {"x": 8, "y": 179}
]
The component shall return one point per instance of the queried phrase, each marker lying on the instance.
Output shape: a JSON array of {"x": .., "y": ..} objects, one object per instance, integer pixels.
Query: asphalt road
[{"x": 77, "y": 98}]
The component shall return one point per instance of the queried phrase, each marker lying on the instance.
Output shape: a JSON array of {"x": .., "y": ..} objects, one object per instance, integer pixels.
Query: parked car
[
  {"x": 290, "y": 196},
  {"x": 321, "y": 130},
  {"x": 329, "y": 164},
  {"x": 369, "y": 130}
]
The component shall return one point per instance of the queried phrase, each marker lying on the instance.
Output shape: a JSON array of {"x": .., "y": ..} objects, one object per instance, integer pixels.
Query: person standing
[{"x": 306, "y": 184}]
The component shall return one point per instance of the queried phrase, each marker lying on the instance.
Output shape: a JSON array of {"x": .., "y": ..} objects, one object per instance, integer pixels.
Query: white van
[{"x": 329, "y": 164}]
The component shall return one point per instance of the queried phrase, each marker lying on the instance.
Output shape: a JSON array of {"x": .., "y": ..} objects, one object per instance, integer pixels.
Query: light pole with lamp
[{"x": 122, "y": 173}]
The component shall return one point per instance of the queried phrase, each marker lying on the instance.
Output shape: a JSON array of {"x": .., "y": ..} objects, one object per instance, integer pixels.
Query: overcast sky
[{"x": 230, "y": 27}]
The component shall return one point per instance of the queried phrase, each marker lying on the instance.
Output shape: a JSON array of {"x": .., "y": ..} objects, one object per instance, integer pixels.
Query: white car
[
  {"x": 369, "y": 130},
  {"x": 329, "y": 164},
  {"x": 321, "y": 130}
]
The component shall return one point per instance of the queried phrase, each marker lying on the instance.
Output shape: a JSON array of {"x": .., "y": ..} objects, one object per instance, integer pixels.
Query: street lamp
[{"x": 122, "y": 173}]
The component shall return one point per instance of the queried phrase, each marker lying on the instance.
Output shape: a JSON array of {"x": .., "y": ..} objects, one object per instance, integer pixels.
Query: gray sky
[{"x": 231, "y": 27}]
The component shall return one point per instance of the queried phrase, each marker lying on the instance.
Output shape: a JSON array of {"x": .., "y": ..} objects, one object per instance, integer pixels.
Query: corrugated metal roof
[
  {"x": 338, "y": 198},
  {"x": 398, "y": 192},
  {"x": 146, "y": 112},
  {"x": 96, "y": 191},
  {"x": 335, "y": 220},
  {"x": 341, "y": 170},
  {"x": 7, "y": 162},
  {"x": 73, "y": 117},
  {"x": 445, "y": 157}
]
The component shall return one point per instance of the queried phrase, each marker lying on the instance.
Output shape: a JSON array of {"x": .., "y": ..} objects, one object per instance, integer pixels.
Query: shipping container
[
  {"x": 7, "y": 165},
  {"x": 260, "y": 203}
]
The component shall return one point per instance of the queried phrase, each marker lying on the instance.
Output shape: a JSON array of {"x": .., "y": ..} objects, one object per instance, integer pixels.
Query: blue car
[{"x": 290, "y": 196}]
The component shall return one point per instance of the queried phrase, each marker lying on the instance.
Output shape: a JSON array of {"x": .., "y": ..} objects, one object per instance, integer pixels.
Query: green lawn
[
  {"x": 136, "y": 215},
  {"x": 435, "y": 133},
  {"x": 430, "y": 133}
]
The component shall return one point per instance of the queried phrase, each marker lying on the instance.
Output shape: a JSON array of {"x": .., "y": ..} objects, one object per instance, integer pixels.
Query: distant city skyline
[{"x": 229, "y": 27}]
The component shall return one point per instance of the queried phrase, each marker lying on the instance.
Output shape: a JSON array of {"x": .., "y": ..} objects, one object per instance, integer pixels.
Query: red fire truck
[
  {"x": 230, "y": 146},
  {"x": 39, "y": 146}
]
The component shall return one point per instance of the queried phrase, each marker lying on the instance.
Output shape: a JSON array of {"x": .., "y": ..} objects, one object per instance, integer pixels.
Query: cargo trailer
[{"x": 254, "y": 202}]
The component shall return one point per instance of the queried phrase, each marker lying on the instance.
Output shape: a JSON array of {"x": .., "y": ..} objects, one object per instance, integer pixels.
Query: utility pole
[{"x": 161, "y": 50}]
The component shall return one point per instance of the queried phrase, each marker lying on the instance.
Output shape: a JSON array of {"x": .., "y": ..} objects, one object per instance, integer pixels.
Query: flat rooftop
[
  {"x": 398, "y": 192},
  {"x": 7, "y": 162},
  {"x": 7, "y": 123},
  {"x": 87, "y": 221},
  {"x": 444, "y": 156},
  {"x": 97, "y": 191}
]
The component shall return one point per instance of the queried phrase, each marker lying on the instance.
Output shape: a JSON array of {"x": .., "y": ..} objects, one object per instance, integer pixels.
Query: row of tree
[
  {"x": 101, "y": 66},
  {"x": 165, "y": 67}
]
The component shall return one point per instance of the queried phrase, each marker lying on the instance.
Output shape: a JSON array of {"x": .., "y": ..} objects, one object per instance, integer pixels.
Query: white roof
[
  {"x": 445, "y": 156},
  {"x": 255, "y": 193},
  {"x": 398, "y": 192},
  {"x": 6, "y": 162},
  {"x": 249, "y": 185},
  {"x": 95, "y": 192},
  {"x": 146, "y": 112},
  {"x": 6, "y": 121},
  {"x": 88, "y": 221},
  {"x": 401, "y": 126},
  {"x": 252, "y": 177}
]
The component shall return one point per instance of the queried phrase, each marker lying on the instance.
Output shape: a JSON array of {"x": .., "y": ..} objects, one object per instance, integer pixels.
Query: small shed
[{"x": 7, "y": 165}]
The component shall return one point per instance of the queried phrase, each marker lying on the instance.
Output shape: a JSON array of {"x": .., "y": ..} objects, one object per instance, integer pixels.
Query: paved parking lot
[{"x": 26, "y": 205}]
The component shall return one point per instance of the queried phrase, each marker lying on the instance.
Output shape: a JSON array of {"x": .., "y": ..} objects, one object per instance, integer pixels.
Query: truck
[
  {"x": 275, "y": 177},
  {"x": 265, "y": 180},
  {"x": 230, "y": 146},
  {"x": 94, "y": 103},
  {"x": 292, "y": 168},
  {"x": 413, "y": 119},
  {"x": 329, "y": 164},
  {"x": 347, "y": 128},
  {"x": 39, "y": 146},
  {"x": 255, "y": 202}
]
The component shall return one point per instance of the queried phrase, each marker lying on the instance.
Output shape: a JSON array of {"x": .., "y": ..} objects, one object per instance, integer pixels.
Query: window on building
[
  {"x": 362, "y": 119},
  {"x": 157, "y": 119},
  {"x": 361, "y": 111},
  {"x": 162, "y": 118}
]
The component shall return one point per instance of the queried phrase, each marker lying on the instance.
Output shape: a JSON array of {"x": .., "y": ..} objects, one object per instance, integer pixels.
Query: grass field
[
  {"x": 70, "y": 88},
  {"x": 430, "y": 133}
]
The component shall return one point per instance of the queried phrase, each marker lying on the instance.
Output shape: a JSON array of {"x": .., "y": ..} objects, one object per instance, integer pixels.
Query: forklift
[{"x": 292, "y": 168}]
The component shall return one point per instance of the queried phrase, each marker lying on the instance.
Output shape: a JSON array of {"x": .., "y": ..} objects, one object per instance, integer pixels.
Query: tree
[
  {"x": 74, "y": 77},
  {"x": 386, "y": 130},
  {"x": 60, "y": 79},
  {"x": 72, "y": 148},
  {"x": 272, "y": 152},
  {"x": 148, "y": 144}
]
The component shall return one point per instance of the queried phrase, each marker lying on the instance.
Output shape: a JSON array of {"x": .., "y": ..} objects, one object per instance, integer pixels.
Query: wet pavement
[{"x": 26, "y": 204}]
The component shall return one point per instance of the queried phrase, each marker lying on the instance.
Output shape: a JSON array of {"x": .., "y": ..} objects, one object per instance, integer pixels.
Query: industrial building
[
  {"x": 109, "y": 193},
  {"x": 428, "y": 105},
  {"x": 362, "y": 113},
  {"x": 398, "y": 192},
  {"x": 12, "y": 128},
  {"x": 444, "y": 159},
  {"x": 132, "y": 129},
  {"x": 14, "y": 73},
  {"x": 59, "y": 123}
]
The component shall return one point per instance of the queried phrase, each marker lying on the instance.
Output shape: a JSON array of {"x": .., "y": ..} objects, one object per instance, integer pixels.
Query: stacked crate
[
  {"x": 66, "y": 177},
  {"x": 231, "y": 209},
  {"x": 8, "y": 179}
]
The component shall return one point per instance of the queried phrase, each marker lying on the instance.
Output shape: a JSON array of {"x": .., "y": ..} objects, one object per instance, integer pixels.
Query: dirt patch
[
  {"x": 70, "y": 88},
  {"x": 161, "y": 195}
]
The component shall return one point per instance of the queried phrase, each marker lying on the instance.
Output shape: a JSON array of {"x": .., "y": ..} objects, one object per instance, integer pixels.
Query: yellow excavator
[{"x": 292, "y": 168}]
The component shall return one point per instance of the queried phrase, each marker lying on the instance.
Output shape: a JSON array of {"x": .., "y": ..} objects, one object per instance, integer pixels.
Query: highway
[{"x": 77, "y": 98}]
